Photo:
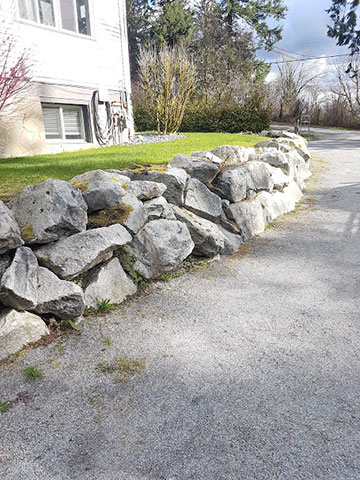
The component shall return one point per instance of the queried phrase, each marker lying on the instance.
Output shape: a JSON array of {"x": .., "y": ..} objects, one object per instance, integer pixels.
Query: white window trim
[
  {"x": 63, "y": 138},
  {"x": 58, "y": 24}
]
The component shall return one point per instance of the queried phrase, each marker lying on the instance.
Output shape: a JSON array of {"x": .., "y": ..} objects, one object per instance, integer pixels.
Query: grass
[
  {"x": 32, "y": 373},
  {"x": 104, "y": 305},
  {"x": 18, "y": 172},
  {"x": 5, "y": 406},
  {"x": 125, "y": 367}
]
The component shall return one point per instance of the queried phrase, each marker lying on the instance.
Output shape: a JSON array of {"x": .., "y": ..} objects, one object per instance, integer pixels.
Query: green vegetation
[
  {"x": 5, "y": 406},
  {"x": 32, "y": 373},
  {"x": 104, "y": 305},
  {"x": 16, "y": 173},
  {"x": 125, "y": 367}
]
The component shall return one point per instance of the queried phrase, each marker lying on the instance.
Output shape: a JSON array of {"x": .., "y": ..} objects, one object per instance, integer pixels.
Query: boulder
[
  {"x": 10, "y": 236},
  {"x": 107, "y": 281},
  {"x": 18, "y": 283},
  {"x": 159, "y": 208},
  {"x": 231, "y": 153},
  {"x": 146, "y": 190},
  {"x": 61, "y": 298},
  {"x": 231, "y": 184},
  {"x": 292, "y": 192},
  {"x": 209, "y": 156},
  {"x": 17, "y": 329},
  {"x": 279, "y": 178},
  {"x": 137, "y": 214},
  {"x": 277, "y": 159},
  {"x": 200, "y": 168},
  {"x": 259, "y": 177},
  {"x": 208, "y": 239},
  {"x": 5, "y": 262},
  {"x": 201, "y": 201},
  {"x": 100, "y": 189},
  {"x": 174, "y": 178},
  {"x": 69, "y": 257},
  {"x": 121, "y": 174},
  {"x": 161, "y": 246},
  {"x": 232, "y": 241},
  {"x": 249, "y": 216},
  {"x": 301, "y": 170},
  {"x": 299, "y": 144},
  {"x": 49, "y": 211}
]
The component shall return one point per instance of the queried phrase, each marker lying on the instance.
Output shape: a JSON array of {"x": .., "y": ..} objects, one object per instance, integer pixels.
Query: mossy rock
[
  {"x": 110, "y": 216},
  {"x": 27, "y": 233},
  {"x": 82, "y": 186}
]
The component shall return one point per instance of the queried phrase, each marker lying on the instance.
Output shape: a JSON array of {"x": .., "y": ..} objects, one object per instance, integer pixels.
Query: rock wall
[{"x": 65, "y": 246}]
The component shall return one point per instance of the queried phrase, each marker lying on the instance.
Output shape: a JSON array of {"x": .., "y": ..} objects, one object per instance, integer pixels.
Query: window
[
  {"x": 63, "y": 122},
  {"x": 75, "y": 14},
  {"x": 41, "y": 11}
]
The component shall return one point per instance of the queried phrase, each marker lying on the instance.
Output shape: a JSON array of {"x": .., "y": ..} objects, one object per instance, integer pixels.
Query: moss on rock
[
  {"x": 27, "y": 233},
  {"x": 110, "y": 216}
]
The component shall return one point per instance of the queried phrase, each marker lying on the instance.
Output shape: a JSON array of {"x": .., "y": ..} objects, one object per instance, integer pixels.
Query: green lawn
[{"x": 16, "y": 173}]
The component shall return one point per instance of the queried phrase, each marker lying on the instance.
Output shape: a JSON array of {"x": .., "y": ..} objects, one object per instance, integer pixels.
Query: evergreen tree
[
  {"x": 343, "y": 14},
  {"x": 139, "y": 26},
  {"x": 173, "y": 25}
]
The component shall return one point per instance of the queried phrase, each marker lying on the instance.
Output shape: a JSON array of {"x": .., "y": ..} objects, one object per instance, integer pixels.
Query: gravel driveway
[{"x": 252, "y": 364}]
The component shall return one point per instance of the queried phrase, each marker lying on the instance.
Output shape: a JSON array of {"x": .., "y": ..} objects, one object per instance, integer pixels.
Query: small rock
[
  {"x": 18, "y": 283},
  {"x": 48, "y": 211},
  {"x": 160, "y": 246},
  {"x": 10, "y": 236},
  {"x": 201, "y": 201},
  {"x": 17, "y": 329},
  {"x": 107, "y": 281},
  {"x": 209, "y": 156},
  {"x": 69, "y": 257},
  {"x": 63, "y": 299},
  {"x": 159, "y": 208}
]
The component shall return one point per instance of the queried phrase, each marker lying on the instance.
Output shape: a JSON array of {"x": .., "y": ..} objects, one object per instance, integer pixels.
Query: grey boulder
[
  {"x": 200, "y": 168},
  {"x": 159, "y": 208},
  {"x": 232, "y": 241},
  {"x": 231, "y": 153},
  {"x": 61, "y": 298},
  {"x": 208, "y": 155},
  {"x": 107, "y": 281},
  {"x": 259, "y": 176},
  {"x": 69, "y": 257},
  {"x": 208, "y": 239},
  {"x": 100, "y": 189},
  {"x": 18, "y": 329},
  {"x": 161, "y": 246},
  {"x": 249, "y": 216},
  {"x": 146, "y": 190},
  {"x": 18, "y": 283},
  {"x": 278, "y": 159},
  {"x": 200, "y": 200},
  {"x": 49, "y": 211},
  {"x": 231, "y": 184},
  {"x": 10, "y": 236},
  {"x": 137, "y": 214}
]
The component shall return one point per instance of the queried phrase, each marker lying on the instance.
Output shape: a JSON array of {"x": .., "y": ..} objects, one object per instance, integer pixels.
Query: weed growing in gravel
[
  {"x": 104, "y": 305},
  {"x": 108, "y": 341},
  {"x": 126, "y": 367},
  {"x": 5, "y": 406},
  {"x": 60, "y": 349},
  {"x": 32, "y": 373}
]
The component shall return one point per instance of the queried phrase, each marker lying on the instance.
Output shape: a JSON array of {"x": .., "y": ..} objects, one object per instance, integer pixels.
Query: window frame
[
  {"x": 58, "y": 19},
  {"x": 60, "y": 108}
]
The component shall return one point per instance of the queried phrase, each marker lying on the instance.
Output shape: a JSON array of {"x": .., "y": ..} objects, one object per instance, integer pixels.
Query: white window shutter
[
  {"x": 52, "y": 122},
  {"x": 72, "y": 122}
]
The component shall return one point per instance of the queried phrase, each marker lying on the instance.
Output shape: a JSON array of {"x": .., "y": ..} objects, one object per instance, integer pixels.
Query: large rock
[
  {"x": 146, "y": 190},
  {"x": 301, "y": 169},
  {"x": 201, "y": 201},
  {"x": 299, "y": 144},
  {"x": 274, "y": 205},
  {"x": 5, "y": 262},
  {"x": 279, "y": 178},
  {"x": 249, "y": 216},
  {"x": 17, "y": 329},
  {"x": 161, "y": 246},
  {"x": 107, "y": 281},
  {"x": 174, "y": 178},
  {"x": 277, "y": 159},
  {"x": 206, "y": 154},
  {"x": 100, "y": 189},
  {"x": 231, "y": 153},
  {"x": 208, "y": 239},
  {"x": 59, "y": 297},
  {"x": 200, "y": 168},
  {"x": 10, "y": 236},
  {"x": 69, "y": 257},
  {"x": 137, "y": 215},
  {"x": 49, "y": 211},
  {"x": 232, "y": 241},
  {"x": 232, "y": 184},
  {"x": 18, "y": 283},
  {"x": 259, "y": 177},
  {"x": 159, "y": 208}
]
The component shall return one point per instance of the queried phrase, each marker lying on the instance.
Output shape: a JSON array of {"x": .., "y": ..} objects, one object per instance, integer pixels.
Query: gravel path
[{"x": 252, "y": 364}]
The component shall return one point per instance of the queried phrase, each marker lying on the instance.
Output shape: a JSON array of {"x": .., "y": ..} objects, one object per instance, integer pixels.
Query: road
[{"x": 252, "y": 364}]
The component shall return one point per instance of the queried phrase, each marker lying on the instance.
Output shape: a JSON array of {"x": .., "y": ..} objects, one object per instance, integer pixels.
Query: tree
[
  {"x": 173, "y": 25},
  {"x": 343, "y": 14},
  {"x": 168, "y": 79},
  {"x": 15, "y": 70},
  {"x": 348, "y": 88},
  {"x": 254, "y": 15},
  {"x": 139, "y": 26}
]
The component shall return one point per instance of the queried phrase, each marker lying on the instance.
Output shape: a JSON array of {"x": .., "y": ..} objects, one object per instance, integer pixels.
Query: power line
[
  {"x": 283, "y": 50},
  {"x": 308, "y": 59}
]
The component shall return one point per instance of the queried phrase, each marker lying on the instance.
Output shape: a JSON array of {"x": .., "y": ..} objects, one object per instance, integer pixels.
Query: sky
[{"x": 305, "y": 27}]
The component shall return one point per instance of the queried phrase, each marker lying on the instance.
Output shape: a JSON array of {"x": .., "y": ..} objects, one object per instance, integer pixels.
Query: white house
[{"x": 81, "y": 76}]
